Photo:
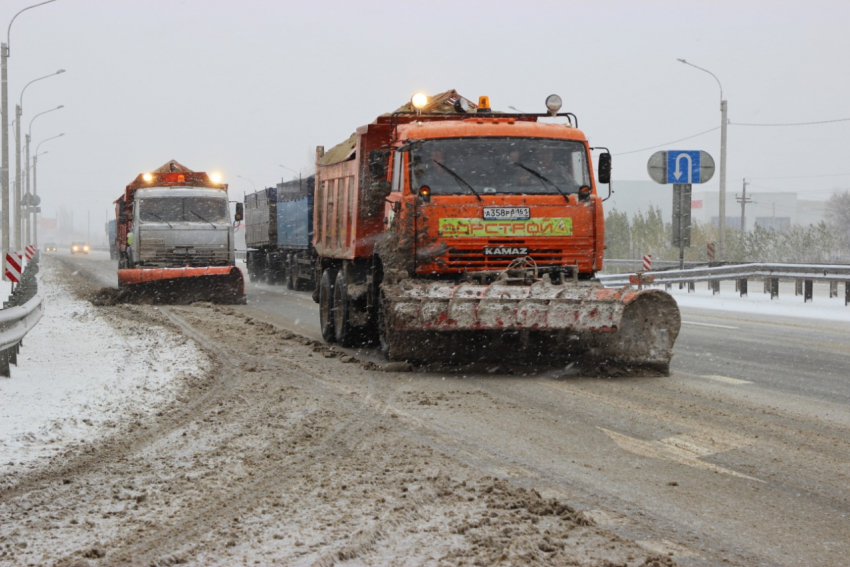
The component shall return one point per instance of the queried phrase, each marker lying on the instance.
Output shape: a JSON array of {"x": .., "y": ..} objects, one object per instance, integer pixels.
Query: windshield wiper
[
  {"x": 202, "y": 218},
  {"x": 542, "y": 178},
  {"x": 160, "y": 218},
  {"x": 459, "y": 179}
]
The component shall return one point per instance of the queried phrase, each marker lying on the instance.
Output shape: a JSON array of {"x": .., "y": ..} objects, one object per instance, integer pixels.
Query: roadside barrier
[
  {"x": 802, "y": 274},
  {"x": 19, "y": 315}
]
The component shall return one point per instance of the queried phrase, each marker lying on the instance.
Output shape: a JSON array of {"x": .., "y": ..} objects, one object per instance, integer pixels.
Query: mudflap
[
  {"x": 621, "y": 332},
  {"x": 183, "y": 285}
]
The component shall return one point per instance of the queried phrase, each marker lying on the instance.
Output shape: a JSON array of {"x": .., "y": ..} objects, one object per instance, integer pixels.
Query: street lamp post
[
  {"x": 293, "y": 171},
  {"x": 249, "y": 181},
  {"x": 4, "y": 128},
  {"x": 29, "y": 137},
  {"x": 34, "y": 223},
  {"x": 721, "y": 231},
  {"x": 18, "y": 172}
]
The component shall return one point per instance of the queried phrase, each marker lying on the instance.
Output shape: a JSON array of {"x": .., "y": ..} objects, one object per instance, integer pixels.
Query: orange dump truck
[
  {"x": 174, "y": 237},
  {"x": 451, "y": 233}
]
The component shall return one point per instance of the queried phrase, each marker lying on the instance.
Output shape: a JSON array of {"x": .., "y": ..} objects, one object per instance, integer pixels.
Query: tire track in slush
[{"x": 204, "y": 518}]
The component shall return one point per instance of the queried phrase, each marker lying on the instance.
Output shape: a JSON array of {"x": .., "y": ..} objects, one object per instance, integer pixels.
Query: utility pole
[
  {"x": 4, "y": 131},
  {"x": 743, "y": 199}
]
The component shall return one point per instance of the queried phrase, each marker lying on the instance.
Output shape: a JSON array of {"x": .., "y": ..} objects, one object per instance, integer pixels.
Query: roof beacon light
[
  {"x": 553, "y": 103},
  {"x": 483, "y": 104},
  {"x": 215, "y": 177},
  {"x": 419, "y": 100},
  {"x": 147, "y": 177}
]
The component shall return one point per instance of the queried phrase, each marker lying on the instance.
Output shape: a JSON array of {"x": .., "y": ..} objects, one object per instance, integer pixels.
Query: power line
[
  {"x": 739, "y": 124},
  {"x": 792, "y": 123},
  {"x": 668, "y": 143},
  {"x": 805, "y": 176}
]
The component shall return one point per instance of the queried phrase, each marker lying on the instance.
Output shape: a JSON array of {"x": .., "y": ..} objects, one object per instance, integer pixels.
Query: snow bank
[
  {"x": 822, "y": 307},
  {"x": 78, "y": 377}
]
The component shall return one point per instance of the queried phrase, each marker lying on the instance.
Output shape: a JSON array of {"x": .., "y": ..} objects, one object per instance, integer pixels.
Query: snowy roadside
[
  {"x": 822, "y": 307},
  {"x": 79, "y": 377}
]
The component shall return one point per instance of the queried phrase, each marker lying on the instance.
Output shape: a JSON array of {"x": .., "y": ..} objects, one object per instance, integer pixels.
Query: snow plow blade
[
  {"x": 539, "y": 323},
  {"x": 221, "y": 284}
]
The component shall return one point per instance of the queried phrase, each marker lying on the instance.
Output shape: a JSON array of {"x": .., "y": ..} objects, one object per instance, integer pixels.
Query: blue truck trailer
[{"x": 279, "y": 234}]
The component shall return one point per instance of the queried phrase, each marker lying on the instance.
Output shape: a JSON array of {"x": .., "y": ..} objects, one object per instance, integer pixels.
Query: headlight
[
  {"x": 553, "y": 104},
  {"x": 74, "y": 248},
  {"x": 147, "y": 177},
  {"x": 419, "y": 100},
  {"x": 86, "y": 248}
]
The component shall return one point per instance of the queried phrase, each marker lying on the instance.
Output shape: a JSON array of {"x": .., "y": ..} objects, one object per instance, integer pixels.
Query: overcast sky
[{"x": 245, "y": 86}]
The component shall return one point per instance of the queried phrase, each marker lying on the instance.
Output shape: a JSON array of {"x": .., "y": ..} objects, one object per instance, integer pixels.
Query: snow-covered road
[{"x": 79, "y": 377}]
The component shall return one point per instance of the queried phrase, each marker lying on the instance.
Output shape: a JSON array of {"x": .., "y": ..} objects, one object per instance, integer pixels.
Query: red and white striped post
[
  {"x": 647, "y": 262},
  {"x": 14, "y": 261}
]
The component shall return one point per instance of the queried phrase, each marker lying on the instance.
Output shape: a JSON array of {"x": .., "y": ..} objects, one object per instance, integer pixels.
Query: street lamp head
[
  {"x": 60, "y": 106},
  {"x": 60, "y": 71},
  {"x": 682, "y": 61}
]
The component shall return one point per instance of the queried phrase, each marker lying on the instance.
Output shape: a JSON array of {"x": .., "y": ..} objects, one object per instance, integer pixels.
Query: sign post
[{"x": 681, "y": 168}]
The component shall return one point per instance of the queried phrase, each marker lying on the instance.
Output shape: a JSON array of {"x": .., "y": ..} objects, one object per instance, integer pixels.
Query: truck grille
[
  {"x": 196, "y": 256},
  {"x": 550, "y": 252}
]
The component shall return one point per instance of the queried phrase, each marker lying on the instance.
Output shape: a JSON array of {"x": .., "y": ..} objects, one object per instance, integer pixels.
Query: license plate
[
  {"x": 507, "y": 213},
  {"x": 506, "y": 251}
]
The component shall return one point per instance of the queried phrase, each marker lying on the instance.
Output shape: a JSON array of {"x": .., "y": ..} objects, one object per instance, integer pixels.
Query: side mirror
[
  {"x": 378, "y": 164},
  {"x": 603, "y": 171},
  {"x": 240, "y": 213}
]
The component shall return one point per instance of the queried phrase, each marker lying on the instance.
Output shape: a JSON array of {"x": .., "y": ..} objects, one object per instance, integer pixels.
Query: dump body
[
  {"x": 279, "y": 228},
  {"x": 450, "y": 236},
  {"x": 174, "y": 233}
]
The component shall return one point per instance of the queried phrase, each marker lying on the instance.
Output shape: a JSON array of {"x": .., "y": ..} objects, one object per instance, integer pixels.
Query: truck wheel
[
  {"x": 342, "y": 326},
  {"x": 326, "y": 311},
  {"x": 291, "y": 277},
  {"x": 252, "y": 270},
  {"x": 383, "y": 342}
]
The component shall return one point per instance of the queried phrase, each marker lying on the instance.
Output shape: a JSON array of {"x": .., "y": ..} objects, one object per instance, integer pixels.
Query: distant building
[{"x": 779, "y": 210}]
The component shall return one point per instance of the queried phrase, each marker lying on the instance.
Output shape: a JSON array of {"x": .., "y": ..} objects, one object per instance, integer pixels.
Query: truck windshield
[
  {"x": 183, "y": 209},
  {"x": 500, "y": 165}
]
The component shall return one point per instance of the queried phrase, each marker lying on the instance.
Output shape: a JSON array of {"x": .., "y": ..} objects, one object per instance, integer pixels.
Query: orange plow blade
[
  {"x": 540, "y": 323},
  {"x": 223, "y": 284}
]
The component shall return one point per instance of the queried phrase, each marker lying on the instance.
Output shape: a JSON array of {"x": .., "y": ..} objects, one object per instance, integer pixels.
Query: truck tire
[
  {"x": 326, "y": 311},
  {"x": 291, "y": 275},
  {"x": 342, "y": 327}
]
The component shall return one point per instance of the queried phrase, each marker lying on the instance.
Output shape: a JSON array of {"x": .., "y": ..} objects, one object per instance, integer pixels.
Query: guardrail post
[
  {"x": 742, "y": 286},
  {"x": 691, "y": 287},
  {"x": 766, "y": 285},
  {"x": 13, "y": 354},
  {"x": 846, "y": 293},
  {"x": 774, "y": 288},
  {"x": 668, "y": 286},
  {"x": 798, "y": 287},
  {"x": 833, "y": 289},
  {"x": 807, "y": 294},
  {"x": 714, "y": 285}
]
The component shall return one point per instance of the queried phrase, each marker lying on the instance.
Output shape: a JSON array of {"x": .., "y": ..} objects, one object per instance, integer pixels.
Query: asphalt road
[{"x": 742, "y": 455}]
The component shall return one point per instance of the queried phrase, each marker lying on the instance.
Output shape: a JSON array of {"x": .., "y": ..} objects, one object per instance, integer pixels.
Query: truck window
[
  {"x": 183, "y": 209},
  {"x": 398, "y": 160},
  {"x": 500, "y": 165}
]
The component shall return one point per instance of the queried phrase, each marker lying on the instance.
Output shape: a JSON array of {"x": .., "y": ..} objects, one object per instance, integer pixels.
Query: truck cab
[{"x": 181, "y": 226}]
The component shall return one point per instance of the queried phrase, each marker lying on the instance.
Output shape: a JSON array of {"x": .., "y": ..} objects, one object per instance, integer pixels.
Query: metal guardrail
[
  {"x": 802, "y": 274},
  {"x": 19, "y": 315}
]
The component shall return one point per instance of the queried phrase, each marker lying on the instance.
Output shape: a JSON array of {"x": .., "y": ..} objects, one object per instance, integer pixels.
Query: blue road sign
[{"x": 683, "y": 166}]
